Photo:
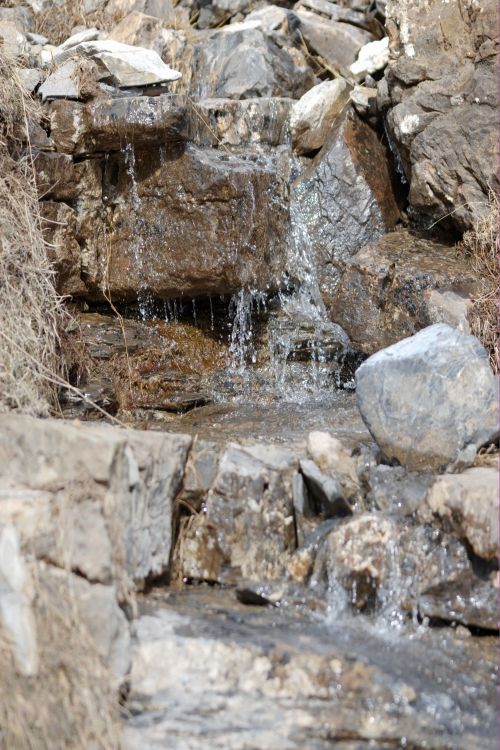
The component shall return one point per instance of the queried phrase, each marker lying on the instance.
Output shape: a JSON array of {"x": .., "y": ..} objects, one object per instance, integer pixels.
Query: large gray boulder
[
  {"x": 431, "y": 399},
  {"x": 441, "y": 97},
  {"x": 241, "y": 62}
]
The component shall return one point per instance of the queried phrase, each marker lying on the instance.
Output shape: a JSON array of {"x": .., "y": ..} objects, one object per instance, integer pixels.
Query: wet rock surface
[
  {"x": 397, "y": 285},
  {"x": 151, "y": 236},
  {"x": 219, "y": 184},
  {"x": 349, "y": 170},
  {"x": 276, "y": 678}
]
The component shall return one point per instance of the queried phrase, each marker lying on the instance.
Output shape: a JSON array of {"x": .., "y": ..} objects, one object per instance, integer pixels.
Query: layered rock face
[{"x": 441, "y": 98}]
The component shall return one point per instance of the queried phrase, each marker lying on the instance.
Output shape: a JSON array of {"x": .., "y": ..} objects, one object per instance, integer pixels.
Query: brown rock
[
  {"x": 344, "y": 199},
  {"x": 108, "y": 124},
  {"x": 187, "y": 223},
  {"x": 140, "y": 30},
  {"x": 383, "y": 295},
  {"x": 55, "y": 176},
  {"x": 59, "y": 223}
]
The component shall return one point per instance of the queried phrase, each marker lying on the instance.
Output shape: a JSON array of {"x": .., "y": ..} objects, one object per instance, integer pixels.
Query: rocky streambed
[{"x": 266, "y": 515}]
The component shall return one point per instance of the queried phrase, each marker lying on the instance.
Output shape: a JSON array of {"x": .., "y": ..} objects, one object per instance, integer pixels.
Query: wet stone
[
  {"x": 388, "y": 289},
  {"x": 229, "y": 122},
  {"x": 350, "y": 170},
  {"x": 272, "y": 677},
  {"x": 189, "y": 223},
  {"x": 108, "y": 124},
  {"x": 246, "y": 527}
]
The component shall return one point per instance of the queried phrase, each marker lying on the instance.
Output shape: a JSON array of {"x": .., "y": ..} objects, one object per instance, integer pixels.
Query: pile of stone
[{"x": 282, "y": 112}]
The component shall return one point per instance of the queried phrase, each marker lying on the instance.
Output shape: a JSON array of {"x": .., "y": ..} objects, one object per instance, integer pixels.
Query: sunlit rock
[
  {"x": 241, "y": 62},
  {"x": 430, "y": 399},
  {"x": 314, "y": 114},
  {"x": 350, "y": 171},
  {"x": 399, "y": 284},
  {"x": 468, "y": 504},
  {"x": 441, "y": 102}
]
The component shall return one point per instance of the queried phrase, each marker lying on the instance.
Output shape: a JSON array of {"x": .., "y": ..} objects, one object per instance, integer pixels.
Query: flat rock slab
[
  {"x": 108, "y": 124},
  {"x": 253, "y": 677},
  {"x": 431, "y": 399},
  {"x": 125, "y": 65},
  {"x": 394, "y": 286}
]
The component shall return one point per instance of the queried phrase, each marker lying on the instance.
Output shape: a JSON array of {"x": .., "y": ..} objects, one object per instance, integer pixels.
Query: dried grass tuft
[
  {"x": 29, "y": 306},
  {"x": 70, "y": 703},
  {"x": 57, "y": 22},
  {"x": 480, "y": 244}
]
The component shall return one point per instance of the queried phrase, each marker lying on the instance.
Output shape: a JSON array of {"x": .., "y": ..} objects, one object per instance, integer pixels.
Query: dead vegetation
[
  {"x": 29, "y": 306},
  {"x": 480, "y": 244},
  {"x": 70, "y": 702},
  {"x": 57, "y": 21}
]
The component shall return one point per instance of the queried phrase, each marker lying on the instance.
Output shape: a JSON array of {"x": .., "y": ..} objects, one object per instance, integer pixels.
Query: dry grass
[
  {"x": 481, "y": 247},
  {"x": 29, "y": 306},
  {"x": 70, "y": 703},
  {"x": 57, "y": 22}
]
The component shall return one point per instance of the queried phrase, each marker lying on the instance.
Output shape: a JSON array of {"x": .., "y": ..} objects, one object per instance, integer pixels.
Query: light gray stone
[
  {"x": 270, "y": 17},
  {"x": 125, "y": 65},
  {"x": 30, "y": 78},
  {"x": 331, "y": 457},
  {"x": 313, "y": 115},
  {"x": 241, "y": 62},
  {"x": 63, "y": 83},
  {"x": 327, "y": 492},
  {"x": 16, "y": 595},
  {"x": 337, "y": 43},
  {"x": 448, "y": 306},
  {"x": 467, "y": 503},
  {"x": 163, "y": 9},
  {"x": 97, "y": 499},
  {"x": 372, "y": 58},
  {"x": 429, "y": 398}
]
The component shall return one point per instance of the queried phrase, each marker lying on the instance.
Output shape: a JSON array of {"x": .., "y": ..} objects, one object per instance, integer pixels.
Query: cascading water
[{"x": 144, "y": 297}]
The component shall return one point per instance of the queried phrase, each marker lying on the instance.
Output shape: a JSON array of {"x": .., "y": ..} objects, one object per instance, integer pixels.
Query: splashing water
[{"x": 241, "y": 348}]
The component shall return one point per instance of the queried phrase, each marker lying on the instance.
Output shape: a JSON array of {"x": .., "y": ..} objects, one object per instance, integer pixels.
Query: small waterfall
[
  {"x": 144, "y": 296},
  {"x": 241, "y": 347}
]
